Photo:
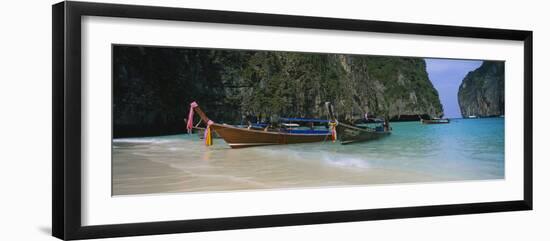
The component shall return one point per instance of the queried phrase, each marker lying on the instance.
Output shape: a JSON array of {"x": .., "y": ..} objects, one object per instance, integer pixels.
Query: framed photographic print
[{"x": 170, "y": 120}]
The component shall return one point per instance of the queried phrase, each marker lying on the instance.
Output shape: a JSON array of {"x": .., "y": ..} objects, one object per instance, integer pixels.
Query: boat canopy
[
  {"x": 260, "y": 125},
  {"x": 284, "y": 119},
  {"x": 312, "y": 132}
]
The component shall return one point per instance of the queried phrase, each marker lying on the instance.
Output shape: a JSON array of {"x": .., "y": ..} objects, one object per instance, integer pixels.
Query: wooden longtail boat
[
  {"x": 435, "y": 121},
  {"x": 348, "y": 134},
  {"x": 243, "y": 137}
]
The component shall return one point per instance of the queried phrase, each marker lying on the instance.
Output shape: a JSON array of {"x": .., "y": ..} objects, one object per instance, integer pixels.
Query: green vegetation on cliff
[
  {"x": 482, "y": 91},
  {"x": 152, "y": 87}
]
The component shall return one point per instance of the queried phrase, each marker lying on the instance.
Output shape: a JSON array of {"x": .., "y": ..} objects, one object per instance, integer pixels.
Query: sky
[{"x": 446, "y": 76}]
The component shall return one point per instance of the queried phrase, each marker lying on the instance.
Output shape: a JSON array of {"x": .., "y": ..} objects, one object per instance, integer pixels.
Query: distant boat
[
  {"x": 435, "y": 121},
  {"x": 239, "y": 137},
  {"x": 348, "y": 134},
  {"x": 472, "y": 117}
]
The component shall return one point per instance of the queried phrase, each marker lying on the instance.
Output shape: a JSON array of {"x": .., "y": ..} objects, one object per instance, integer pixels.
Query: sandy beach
[{"x": 168, "y": 165}]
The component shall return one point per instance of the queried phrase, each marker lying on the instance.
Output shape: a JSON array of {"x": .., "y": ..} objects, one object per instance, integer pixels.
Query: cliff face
[
  {"x": 152, "y": 87},
  {"x": 482, "y": 91},
  {"x": 396, "y": 87}
]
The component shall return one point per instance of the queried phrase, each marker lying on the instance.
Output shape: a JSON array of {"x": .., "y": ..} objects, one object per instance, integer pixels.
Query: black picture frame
[{"x": 66, "y": 128}]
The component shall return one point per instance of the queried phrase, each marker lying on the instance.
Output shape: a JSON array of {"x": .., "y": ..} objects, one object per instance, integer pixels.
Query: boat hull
[
  {"x": 243, "y": 137},
  {"x": 350, "y": 134},
  {"x": 442, "y": 121}
]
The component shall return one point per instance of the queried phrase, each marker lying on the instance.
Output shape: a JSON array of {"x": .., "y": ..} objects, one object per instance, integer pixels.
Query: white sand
[{"x": 187, "y": 166}]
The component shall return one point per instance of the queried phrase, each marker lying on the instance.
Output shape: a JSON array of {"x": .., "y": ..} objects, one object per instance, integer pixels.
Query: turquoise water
[{"x": 465, "y": 149}]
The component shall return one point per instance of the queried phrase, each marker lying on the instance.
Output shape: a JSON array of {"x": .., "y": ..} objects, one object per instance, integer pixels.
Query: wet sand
[{"x": 184, "y": 164}]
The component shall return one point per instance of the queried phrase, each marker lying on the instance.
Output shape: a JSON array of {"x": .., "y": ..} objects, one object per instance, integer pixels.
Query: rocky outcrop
[
  {"x": 481, "y": 93},
  {"x": 395, "y": 87},
  {"x": 152, "y": 87}
]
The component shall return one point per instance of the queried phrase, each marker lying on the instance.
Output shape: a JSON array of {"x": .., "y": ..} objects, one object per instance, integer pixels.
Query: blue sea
[{"x": 465, "y": 149}]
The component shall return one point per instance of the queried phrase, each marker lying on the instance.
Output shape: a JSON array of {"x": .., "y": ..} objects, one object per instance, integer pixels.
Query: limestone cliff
[
  {"x": 152, "y": 87},
  {"x": 481, "y": 93}
]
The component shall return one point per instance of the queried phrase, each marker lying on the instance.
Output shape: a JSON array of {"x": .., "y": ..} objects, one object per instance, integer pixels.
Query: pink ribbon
[{"x": 190, "y": 117}]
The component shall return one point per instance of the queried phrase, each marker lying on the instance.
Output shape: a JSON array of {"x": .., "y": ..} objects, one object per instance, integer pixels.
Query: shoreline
[{"x": 135, "y": 174}]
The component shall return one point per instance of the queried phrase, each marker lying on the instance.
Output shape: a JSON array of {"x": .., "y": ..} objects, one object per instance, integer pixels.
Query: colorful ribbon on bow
[
  {"x": 208, "y": 134},
  {"x": 333, "y": 130}
]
